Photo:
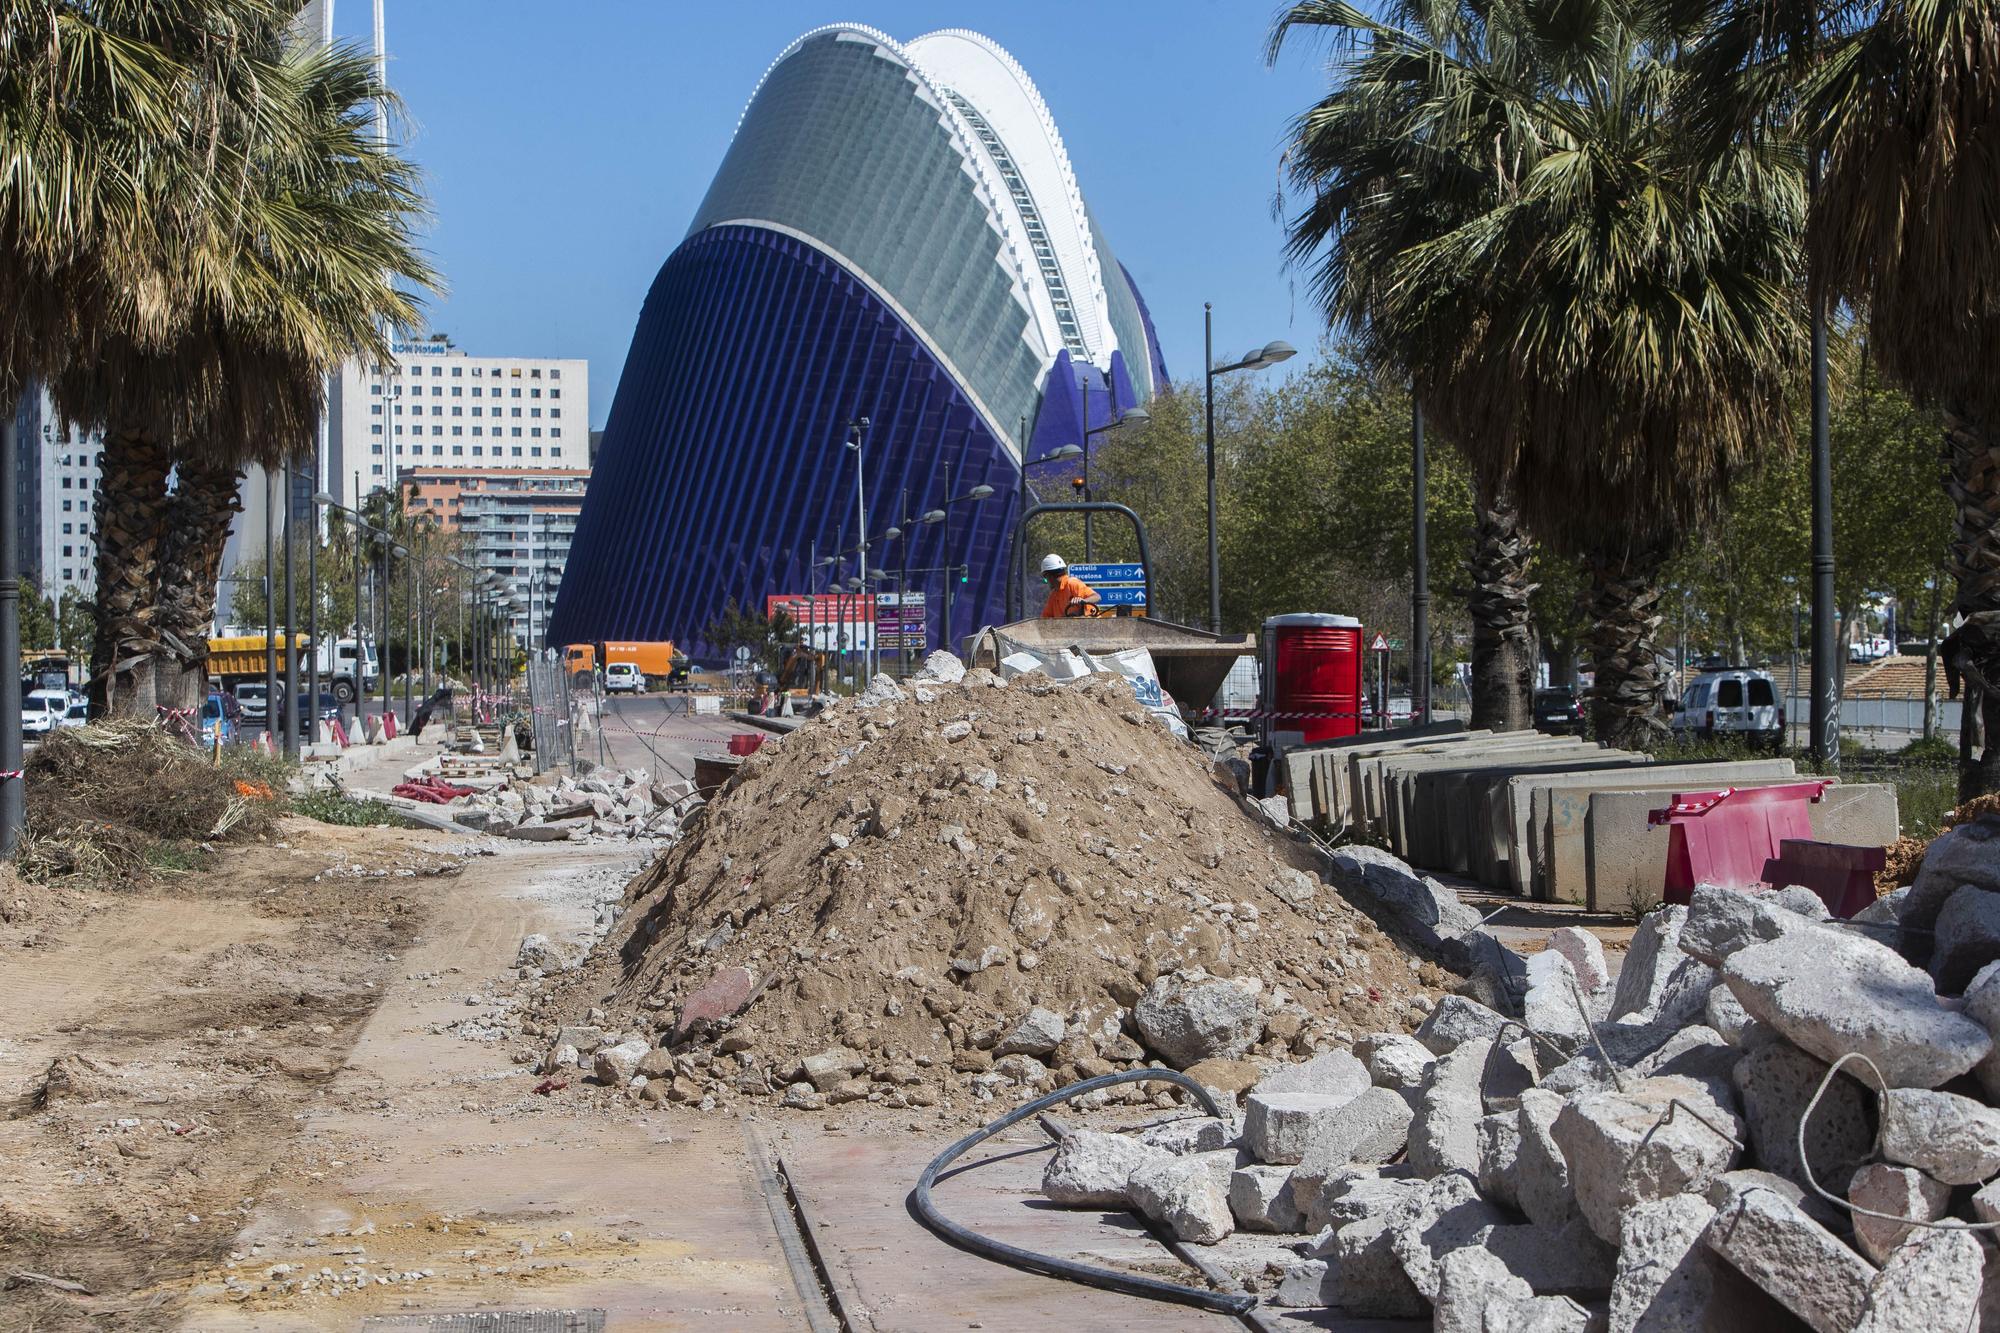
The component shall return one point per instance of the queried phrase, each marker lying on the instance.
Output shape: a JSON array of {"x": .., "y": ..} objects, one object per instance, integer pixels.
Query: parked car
[
  {"x": 1558, "y": 711},
  {"x": 219, "y": 713},
  {"x": 624, "y": 677},
  {"x": 1869, "y": 650},
  {"x": 42, "y": 711},
  {"x": 329, "y": 708},
  {"x": 1401, "y": 709},
  {"x": 251, "y": 703},
  {"x": 1732, "y": 701}
]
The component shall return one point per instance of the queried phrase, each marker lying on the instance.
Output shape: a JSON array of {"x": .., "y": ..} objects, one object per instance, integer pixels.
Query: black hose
[{"x": 967, "y": 1239}]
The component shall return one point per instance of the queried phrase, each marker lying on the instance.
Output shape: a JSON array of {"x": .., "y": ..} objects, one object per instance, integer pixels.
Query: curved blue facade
[{"x": 871, "y": 248}]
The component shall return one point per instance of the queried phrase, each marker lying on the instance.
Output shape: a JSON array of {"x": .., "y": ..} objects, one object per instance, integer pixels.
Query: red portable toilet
[{"x": 1311, "y": 678}]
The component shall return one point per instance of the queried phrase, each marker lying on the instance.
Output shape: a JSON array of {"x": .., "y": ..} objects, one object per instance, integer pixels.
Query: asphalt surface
[{"x": 656, "y": 732}]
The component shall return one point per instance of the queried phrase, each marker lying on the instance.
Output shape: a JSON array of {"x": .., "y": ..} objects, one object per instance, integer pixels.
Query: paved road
[{"x": 655, "y": 732}]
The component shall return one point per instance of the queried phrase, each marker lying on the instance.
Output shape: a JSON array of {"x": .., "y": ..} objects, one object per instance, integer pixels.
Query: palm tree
[
  {"x": 292, "y": 269},
  {"x": 1600, "y": 307},
  {"x": 1369, "y": 159},
  {"x": 1906, "y": 226}
]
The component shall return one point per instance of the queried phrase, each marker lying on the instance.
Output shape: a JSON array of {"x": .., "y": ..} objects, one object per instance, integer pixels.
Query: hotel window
[
  {"x": 437, "y": 430},
  {"x": 476, "y": 391},
  {"x": 374, "y": 388},
  {"x": 399, "y": 409},
  {"x": 537, "y": 451},
  {"x": 376, "y": 450},
  {"x": 517, "y": 432},
  {"x": 374, "y": 409},
  {"x": 517, "y": 411},
  {"x": 555, "y": 411},
  {"x": 458, "y": 451},
  {"x": 436, "y": 371},
  {"x": 456, "y": 371},
  {"x": 477, "y": 451},
  {"x": 515, "y": 372},
  {"x": 517, "y": 451},
  {"x": 536, "y": 431},
  {"x": 555, "y": 374},
  {"x": 457, "y": 411},
  {"x": 534, "y": 411},
  {"x": 374, "y": 430},
  {"x": 458, "y": 430},
  {"x": 437, "y": 451},
  {"x": 478, "y": 430},
  {"x": 437, "y": 411},
  {"x": 534, "y": 393},
  {"x": 516, "y": 393},
  {"x": 458, "y": 391},
  {"x": 376, "y": 470},
  {"x": 535, "y": 374}
]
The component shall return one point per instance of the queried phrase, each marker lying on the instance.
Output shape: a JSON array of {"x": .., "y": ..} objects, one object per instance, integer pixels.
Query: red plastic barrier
[
  {"x": 1842, "y": 875},
  {"x": 745, "y": 742},
  {"x": 436, "y": 791},
  {"x": 1726, "y": 837}
]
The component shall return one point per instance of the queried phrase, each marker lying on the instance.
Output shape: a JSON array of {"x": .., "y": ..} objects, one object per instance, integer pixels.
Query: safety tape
[
  {"x": 7, "y": 773},
  {"x": 1274, "y": 715}
]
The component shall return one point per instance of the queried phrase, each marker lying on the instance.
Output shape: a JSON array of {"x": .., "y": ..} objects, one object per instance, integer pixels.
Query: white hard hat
[{"x": 1052, "y": 561}]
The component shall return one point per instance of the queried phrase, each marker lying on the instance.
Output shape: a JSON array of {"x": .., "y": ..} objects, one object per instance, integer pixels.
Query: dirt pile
[
  {"x": 976, "y": 884},
  {"x": 105, "y": 801}
]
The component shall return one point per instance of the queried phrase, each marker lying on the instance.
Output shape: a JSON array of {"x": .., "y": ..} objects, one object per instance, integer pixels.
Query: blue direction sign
[
  {"x": 1120, "y": 596},
  {"x": 1096, "y": 574}
]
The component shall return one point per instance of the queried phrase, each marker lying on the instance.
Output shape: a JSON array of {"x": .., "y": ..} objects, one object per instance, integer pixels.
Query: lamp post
[
  {"x": 291, "y": 725},
  {"x": 402, "y": 553},
  {"x": 1420, "y": 573},
  {"x": 977, "y": 493},
  {"x": 1133, "y": 416},
  {"x": 312, "y": 603},
  {"x": 857, "y": 432},
  {"x": 270, "y": 606},
  {"x": 12, "y": 806},
  {"x": 1269, "y": 355}
]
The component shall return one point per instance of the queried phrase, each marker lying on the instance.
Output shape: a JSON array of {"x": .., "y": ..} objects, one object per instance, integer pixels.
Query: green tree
[
  {"x": 74, "y": 622},
  {"x": 293, "y": 261},
  {"x": 1906, "y": 226},
  {"x": 38, "y": 618},
  {"x": 1597, "y": 304}
]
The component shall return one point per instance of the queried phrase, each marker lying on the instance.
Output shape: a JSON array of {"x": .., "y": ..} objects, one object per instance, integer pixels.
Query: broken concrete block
[
  {"x": 1328, "y": 1074},
  {"x": 1666, "y": 1278},
  {"x": 1726, "y": 1015},
  {"x": 1455, "y": 1021},
  {"x": 1469, "y": 1280},
  {"x": 1930, "y": 1283},
  {"x": 1831, "y": 993},
  {"x": 1443, "y": 1136},
  {"x": 1900, "y": 1190},
  {"x": 1982, "y": 1006},
  {"x": 1623, "y": 1148},
  {"x": 1306, "y": 1283},
  {"x": 1731, "y": 1183},
  {"x": 1541, "y": 1314},
  {"x": 1541, "y": 1176},
  {"x": 1499, "y": 1154},
  {"x": 1948, "y": 1137},
  {"x": 1398, "y": 1061},
  {"x": 829, "y": 1068},
  {"x": 1221, "y": 1164},
  {"x": 1698, "y": 1053},
  {"x": 1229, "y": 1080},
  {"x": 1649, "y": 960},
  {"x": 721, "y": 998},
  {"x": 1189, "y": 1016},
  {"x": 1775, "y": 1084},
  {"x": 1884, "y": 911},
  {"x": 1722, "y": 921},
  {"x": 1566, "y": 1260},
  {"x": 1807, "y": 1268},
  {"x": 1260, "y": 1198},
  {"x": 1037, "y": 1034},
  {"x": 1368, "y": 1278},
  {"x": 1556, "y": 1005},
  {"x": 1428, "y": 911},
  {"x": 1800, "y": 901},
  {"x": 1957, "y": 857},
  {"x": 1189, "y": 1134},
  {"x": 1585, "y": 953},
  {"x": 1510, "y": 1070},
  {"x": 1448, "y": 1216},
  {"x": 1369, "y": 1130},
  {"x": 1967, "y": 938},
  {"x": 1090, "y": 1169},
  {"x": 1336, "y": 1195},
  {"x": 615, "y": 1065},
  {"x": 1279, "y": 1127},
  {"x": 1181, "y": 1194}
]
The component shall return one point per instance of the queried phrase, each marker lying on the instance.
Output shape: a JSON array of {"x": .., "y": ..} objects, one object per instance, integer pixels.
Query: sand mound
[{"x": 904, "y": 885}]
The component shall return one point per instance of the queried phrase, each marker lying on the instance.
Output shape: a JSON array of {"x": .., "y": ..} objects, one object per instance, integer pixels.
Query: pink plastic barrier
[{"x": 1726, "y": 837}]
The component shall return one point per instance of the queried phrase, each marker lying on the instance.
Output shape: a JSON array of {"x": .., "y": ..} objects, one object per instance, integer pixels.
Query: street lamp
[
  {"x": 973, "y": 496},
  {"x": 402, "y": 553},
  {"x": 857, "y": 432},
  {"x": 1270, "y": 354}
]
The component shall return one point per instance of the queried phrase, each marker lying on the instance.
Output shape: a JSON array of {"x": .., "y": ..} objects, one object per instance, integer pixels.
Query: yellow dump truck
[{"x": 241, "y": 658}]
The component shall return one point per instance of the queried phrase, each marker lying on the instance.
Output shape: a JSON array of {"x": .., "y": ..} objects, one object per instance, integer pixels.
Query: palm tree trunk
[
  {"x": 1503, "y": 642},
  {"x": 1621, "y": 605},
  {"x": 204, "y": 506},
  {"x": 132, "y": 509},
  {"x": 1972, "y": 458}
]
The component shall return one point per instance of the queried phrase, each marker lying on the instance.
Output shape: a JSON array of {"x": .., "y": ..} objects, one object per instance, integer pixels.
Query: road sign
[
  {"x": 1381, "y": 645},
  {"x": 1107, "y": 573},
  {"x": 1120, "y": 596},
  {"x": 743, "y": 652}
]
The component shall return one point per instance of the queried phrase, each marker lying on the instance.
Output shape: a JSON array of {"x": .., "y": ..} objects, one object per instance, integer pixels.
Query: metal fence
[
  {"x": 1898, "y": 713},
  {"x": 553, "y": 712}
]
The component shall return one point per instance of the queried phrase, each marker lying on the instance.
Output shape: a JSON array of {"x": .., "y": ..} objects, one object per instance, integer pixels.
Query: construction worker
[{"x": 1068, "y": 594}]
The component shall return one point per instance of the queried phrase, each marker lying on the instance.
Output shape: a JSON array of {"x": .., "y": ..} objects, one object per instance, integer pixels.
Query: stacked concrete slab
[{"x": 1554, "y": 818}]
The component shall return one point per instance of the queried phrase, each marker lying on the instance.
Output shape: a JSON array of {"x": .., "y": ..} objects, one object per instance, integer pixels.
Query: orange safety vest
[{"x": 1068, "y": 588}]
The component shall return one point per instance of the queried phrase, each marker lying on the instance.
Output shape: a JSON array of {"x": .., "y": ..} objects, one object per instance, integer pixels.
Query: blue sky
[{"x": 566, "y": 145}]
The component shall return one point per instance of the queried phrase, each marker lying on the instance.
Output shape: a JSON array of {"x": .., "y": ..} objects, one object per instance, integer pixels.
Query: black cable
[{"x": 1107, "y": 1279}]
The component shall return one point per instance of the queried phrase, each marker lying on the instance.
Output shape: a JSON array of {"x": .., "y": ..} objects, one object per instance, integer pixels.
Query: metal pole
[
  {"x": 1208, "y": 407},
  {"x": 409, "y": 635},
  {"x": 270, "y": 605},
  {"x": 1089, "y": 550},
  {"x": 1420, "y": 574},
  {"x": 944, "y": 550},
  {"x": 12, "y": 804},
  {"x": 861, "y": 511},
  {"x": 382, "y": 618},
  {"x": 360, "y": 639},
  {"x": 903, "y": 589},
  {"x": 1825, "y": 666},
  {"x": 312, "y": 607},
  {"x": 291, "y": 726}
]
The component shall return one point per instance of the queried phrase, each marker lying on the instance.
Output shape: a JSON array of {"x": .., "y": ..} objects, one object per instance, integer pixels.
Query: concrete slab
[
  {"x": 1333, "y": 775},
  {"x": 1548, "y": 814},
  {"x": 1306, "y": 765},
  {"x": 1402, "y": 827},
  {"x": 1493, "y": 839},
  {"x": 1628, "y": 856}
]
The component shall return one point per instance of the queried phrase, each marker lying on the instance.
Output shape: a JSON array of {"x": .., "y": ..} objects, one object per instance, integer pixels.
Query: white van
[{"x": 1732, "y": 701}]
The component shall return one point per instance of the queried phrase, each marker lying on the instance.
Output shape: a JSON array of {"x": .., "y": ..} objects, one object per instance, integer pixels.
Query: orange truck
[{"x": 655, "y": 660}]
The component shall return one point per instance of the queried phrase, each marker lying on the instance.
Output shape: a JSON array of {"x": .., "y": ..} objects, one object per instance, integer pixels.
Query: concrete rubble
[
  {"x": 601, "y": 804},
  {"x": 1482, "y": 1181}
]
